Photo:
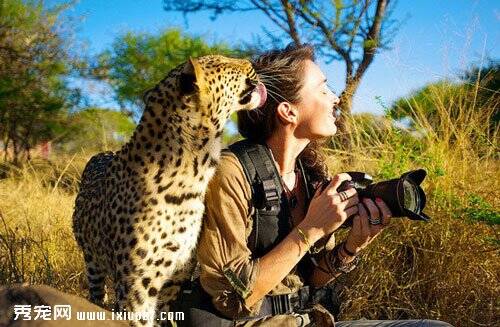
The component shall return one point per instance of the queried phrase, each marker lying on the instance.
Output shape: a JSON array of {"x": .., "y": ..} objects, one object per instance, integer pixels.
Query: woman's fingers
[
  {"x": 364, "y": 225},
  {"x": 318, "y": 191},
  {"x": 351, "y": 211},
  {"x": 377, "y": 213},
  {"x": 346, "y": 196},
  {"x": 372, "y": 208},
  {"x": 356, "y": 222},
  {"x": 384, "y": 209},
  {"x": 336, "y": 181},
  {"x": 363, "y": 232},
  {"x": 352, "y": 201}
]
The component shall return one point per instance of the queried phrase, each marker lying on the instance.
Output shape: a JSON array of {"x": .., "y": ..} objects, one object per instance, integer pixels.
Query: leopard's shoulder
[{"x": 95, "y": 173}]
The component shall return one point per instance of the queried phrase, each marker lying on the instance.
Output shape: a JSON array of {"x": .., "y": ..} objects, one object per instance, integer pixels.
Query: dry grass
[
  {"x": 36, "y": 239},
  {"x": 447, "y": 269}
]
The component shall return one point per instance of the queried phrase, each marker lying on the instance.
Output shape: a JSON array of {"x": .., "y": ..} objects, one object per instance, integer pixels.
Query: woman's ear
[{"x": 287, "y": 113}]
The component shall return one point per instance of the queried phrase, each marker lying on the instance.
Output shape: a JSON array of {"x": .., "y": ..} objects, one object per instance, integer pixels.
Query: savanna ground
[{"x": 447, "y": 269}]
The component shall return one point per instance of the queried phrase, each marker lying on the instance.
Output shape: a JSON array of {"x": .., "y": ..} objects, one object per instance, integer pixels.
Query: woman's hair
[{"x": 282, "y": 72}]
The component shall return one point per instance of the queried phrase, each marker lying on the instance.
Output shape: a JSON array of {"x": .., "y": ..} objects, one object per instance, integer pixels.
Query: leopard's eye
[{"x": 246, "y": 99}]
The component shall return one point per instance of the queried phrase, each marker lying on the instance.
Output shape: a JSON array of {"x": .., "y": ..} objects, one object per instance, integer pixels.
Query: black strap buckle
[
  {"x": 281, "y": 304},
  {"x": 271, "y": 196},
  {"x": 286, "y": 303}
]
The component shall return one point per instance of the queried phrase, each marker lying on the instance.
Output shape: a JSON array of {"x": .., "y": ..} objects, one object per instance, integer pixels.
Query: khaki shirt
[{"x": 227, "y": 270}]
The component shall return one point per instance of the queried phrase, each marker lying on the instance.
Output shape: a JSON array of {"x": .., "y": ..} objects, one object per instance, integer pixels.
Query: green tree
[
  {"x": 477, "y": 90},
  {"x": 96, "y": 129},
  {"x": 138, "y": 61},
  {"x": 427, "y": 101},
  {"x": 33, "y": 63},
  {"x": 462, "y": 114}
]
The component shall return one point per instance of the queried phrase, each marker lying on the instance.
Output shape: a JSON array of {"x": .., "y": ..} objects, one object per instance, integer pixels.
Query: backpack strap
[
  {"x": 307, "y": 182},
  {"x": 265, "y": 181},
  {"x": 261, "y": 173},
  {"x": 268, "y": 177}
]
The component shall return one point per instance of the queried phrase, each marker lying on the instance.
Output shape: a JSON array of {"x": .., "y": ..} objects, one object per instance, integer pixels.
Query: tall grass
[
  {"x": 447, "y": 269},
  {"x": 36, "y": 239}
]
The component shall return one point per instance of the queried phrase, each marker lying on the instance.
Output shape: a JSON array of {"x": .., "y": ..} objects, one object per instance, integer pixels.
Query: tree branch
[
  {"x": 340, "y": 30},
  {"x": 314, "y": 20},
  {"x": 292, "y": 28},
  {"x": 218, "y": 7},
  {"x": 271, "y": 13},
  {"x": 372, "y": 40},
  {"x": 357, "y": 24}
]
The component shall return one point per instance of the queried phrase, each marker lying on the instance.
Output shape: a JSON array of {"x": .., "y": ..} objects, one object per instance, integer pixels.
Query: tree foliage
[
  {"x": 96, "y": 129},
  {"x": 427, "y": 100},
  {"x": 137, "y": 61},
  {"x": 486, "y": 80},
  {"x": 33, "y": 63}
]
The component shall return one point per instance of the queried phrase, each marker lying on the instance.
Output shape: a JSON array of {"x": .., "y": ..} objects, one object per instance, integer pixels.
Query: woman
[{"x": 299, "y": 113}]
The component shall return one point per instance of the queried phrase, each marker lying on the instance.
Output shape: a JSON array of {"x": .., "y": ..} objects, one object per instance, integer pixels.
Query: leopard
[{"x": 138, "y": 212}]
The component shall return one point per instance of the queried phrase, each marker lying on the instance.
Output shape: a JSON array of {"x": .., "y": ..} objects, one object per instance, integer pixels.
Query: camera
[{"x": 403, "y": 195}]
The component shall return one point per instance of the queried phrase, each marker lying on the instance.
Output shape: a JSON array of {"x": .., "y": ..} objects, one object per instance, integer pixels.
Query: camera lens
[
  {"x": 411, "y": 197},
  {"x": 403, "y": 195}
]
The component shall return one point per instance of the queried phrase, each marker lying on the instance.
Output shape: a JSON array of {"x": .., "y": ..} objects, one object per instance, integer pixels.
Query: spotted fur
[{"x": 139, "y": 211}]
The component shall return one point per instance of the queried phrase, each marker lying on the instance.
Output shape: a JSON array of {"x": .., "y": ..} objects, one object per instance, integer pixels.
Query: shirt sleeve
[{"x": 228, "y": 272}]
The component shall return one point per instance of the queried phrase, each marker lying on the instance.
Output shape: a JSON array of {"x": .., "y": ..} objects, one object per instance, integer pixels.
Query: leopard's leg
[
  {"x": 139, "y": 294},
  {"x": 120, "y": 291},
  {"x": 169, "y": 293},
  {"x": 172, "y": 287}
]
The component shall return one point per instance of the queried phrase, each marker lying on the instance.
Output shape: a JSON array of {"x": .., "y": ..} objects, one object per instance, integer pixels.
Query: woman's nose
[{"x": 336, "y": 99}]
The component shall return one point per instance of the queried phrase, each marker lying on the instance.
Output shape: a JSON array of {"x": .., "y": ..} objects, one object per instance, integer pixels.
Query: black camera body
[{"x": 403, "y": 195}]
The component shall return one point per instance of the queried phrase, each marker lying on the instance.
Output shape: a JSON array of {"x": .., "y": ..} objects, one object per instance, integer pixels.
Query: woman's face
[{"x": 317, "y": 107}]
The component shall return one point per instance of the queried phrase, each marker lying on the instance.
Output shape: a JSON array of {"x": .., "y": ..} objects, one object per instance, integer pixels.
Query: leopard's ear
[
  {"x": 146, "y": 95},
  {"x": 191, "y": 77}
]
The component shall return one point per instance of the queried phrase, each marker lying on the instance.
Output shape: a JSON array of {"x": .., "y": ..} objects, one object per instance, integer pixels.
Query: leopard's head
[{"x": 219, "y": 86}]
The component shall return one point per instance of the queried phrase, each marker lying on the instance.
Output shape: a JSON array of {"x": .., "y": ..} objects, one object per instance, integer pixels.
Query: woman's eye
[{"x": 326, "y": 89}]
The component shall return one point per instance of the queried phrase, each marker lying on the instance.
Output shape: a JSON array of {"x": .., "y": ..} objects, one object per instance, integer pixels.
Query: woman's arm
[
  {"x": 277, "y": 263},
  {"x": 235, "y": 281},
  {"x": 326, "y": 213}
]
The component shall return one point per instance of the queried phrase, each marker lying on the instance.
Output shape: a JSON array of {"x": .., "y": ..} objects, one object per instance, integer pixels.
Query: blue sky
[{"x": 437, "y": 40}]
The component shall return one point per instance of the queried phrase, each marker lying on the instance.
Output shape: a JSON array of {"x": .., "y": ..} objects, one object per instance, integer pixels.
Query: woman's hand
[
  {"x": 363, "y": 232},
  {"x": 329, "y": 209}
]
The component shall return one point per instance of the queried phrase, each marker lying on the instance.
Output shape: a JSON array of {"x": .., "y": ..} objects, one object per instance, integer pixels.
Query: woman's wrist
[
  {"x": 347, "y": 250},
  {"x": 312, "y": 234},
  {"x": 337, "y": 261},
  {"x": 345, "y": 254},
  {"x": 351, "y": 248}
]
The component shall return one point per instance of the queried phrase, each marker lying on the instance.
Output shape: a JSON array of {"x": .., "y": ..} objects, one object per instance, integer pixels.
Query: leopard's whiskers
[{"x": 275, "y": 95}]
